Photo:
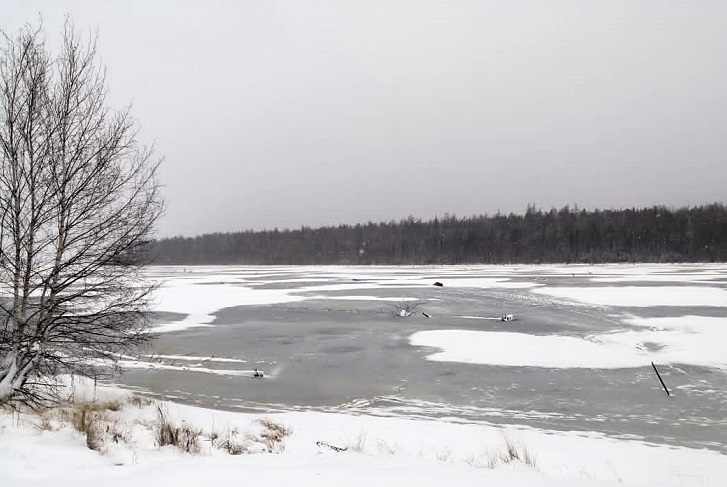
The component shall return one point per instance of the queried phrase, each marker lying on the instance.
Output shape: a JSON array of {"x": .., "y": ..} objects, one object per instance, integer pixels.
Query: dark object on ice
[
  {"x": 332, "y": 447},
  {"x": 438, "y": 284},
  {"x": 258, "y": 374},
  {"x": 507, "y": 317},
  {"x": 426, "y": 315},
  {"x": 661, "y": 380}
]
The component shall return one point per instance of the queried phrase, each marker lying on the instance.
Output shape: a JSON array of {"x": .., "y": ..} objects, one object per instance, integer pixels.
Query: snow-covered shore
[{"x": 36, "y": 451}]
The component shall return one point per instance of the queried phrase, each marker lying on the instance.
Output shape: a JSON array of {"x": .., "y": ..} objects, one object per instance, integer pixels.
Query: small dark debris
[
  {"x": 438, "y": 284},
  {"x": 258, "y": 374},
  {"x": 332, "y": 447},
  {"x": 426, "y": 315}
]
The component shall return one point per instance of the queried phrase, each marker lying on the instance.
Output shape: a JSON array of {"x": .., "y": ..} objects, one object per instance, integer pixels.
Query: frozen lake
[{"x": 577, "y": 355}]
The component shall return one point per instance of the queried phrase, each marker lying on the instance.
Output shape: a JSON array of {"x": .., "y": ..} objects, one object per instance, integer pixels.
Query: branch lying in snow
[{"x": 332, "y": 447}]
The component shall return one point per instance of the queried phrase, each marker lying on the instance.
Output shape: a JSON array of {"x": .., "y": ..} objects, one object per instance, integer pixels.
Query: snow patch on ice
[
  {"x": 201, "y": 296},
  {"x": 141, "y": 364},
  {"x": 642, "y": 297},
  {"x": 524, "y": 350},
  {"x": 694, "y": 340}
]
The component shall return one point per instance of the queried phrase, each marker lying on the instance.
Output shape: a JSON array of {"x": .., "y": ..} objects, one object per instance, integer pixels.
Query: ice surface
[{"x": 199, "y": 292}]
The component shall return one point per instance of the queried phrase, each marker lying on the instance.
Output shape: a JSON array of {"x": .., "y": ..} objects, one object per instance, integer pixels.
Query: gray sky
[{"x": 281, "y": 114}]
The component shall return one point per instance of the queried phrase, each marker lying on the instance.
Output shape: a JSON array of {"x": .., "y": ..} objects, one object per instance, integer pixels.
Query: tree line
[{"x": 565, "y": 235}]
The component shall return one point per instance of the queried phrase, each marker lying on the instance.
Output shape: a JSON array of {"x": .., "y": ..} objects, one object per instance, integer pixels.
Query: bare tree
[{"x": 78, "y": 201}]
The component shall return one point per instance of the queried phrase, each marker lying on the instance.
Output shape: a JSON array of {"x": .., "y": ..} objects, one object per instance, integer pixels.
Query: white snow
[
  {"x": 695, "y": 340},
  {"x": 201, "y": 297},
  {"x": 381, "y": 451},
  {"x": 642, "y": 297},
  {"x": 193, "y": 358},
  {"x": 524, "y": 350},
  {"x": 666, "y": 278},
  {"x": 141, "y": 364}
]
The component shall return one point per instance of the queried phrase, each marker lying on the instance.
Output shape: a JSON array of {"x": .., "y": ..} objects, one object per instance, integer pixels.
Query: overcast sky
[{"x": 282, "y": 114}]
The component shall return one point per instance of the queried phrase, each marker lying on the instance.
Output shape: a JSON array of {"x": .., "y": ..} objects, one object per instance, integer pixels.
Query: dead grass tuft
[
  {"x": 94, "y": 420},
  {"x": 102, "y": 426},
  {"x": 232, "y": 443},
  {"x": 44, "y": 422},
  {"x": 88, "y": 419},
  {"x": 384, "y": 447},
  {"x": 444, "y": 455},
  {"x": 273, "y": 435},
  {"x": 184, "y": 437},
  {"x": 360, "y": 444},
  {"x": 514, "y": 450},
  {"x": 139, "y": 401}
]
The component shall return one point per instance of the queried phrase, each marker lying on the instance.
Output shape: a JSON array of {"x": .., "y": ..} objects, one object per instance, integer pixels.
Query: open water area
[{"x": 332, "y": 339}]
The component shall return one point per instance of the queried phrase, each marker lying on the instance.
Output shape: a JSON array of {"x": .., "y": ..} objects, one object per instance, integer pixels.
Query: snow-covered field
[{"x": 619, "y": 318}]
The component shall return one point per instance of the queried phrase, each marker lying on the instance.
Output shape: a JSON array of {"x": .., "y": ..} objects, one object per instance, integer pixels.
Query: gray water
[{"x": 355, "y": 357}]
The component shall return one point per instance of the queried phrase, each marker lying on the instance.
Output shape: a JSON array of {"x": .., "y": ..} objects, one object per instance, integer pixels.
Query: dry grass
[
  {"x": 118, "y": 432},
  {"x": 93, "y": 420},
  {"x": 102, "y": 425},
  {"x": 86, "y": 419},
  {"x": 270, "y": 438},
  {"x": 272, "y": 435},
  {"x": 444, "y": 455},
  {"x": 514, "y": 450},
  {"x": 362, "y": 444},
  {"x": 359, "y": 444},
  {"x": 140, "y": 401},
  {"x": 184, "y": 437},
  {"x": 384, "y": 447},
  {"x": 44, "y": 422},
  {"x": 96, "y": 421},
  {"x": 232, "y": 443}
]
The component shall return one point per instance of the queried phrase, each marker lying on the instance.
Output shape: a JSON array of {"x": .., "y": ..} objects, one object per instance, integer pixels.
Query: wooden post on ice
[{"x": 661, "y": 380}]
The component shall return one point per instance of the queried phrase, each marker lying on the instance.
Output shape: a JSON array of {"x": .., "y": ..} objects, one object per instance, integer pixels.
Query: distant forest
[{"x": 567, "y": 235}]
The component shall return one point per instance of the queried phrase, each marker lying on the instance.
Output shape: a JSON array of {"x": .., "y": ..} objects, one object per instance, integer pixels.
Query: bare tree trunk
[{"x": 78, "y": 200}]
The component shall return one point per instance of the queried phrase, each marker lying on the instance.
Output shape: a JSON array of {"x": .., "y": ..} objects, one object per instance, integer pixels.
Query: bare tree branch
[{"x": 78, "y": 202}]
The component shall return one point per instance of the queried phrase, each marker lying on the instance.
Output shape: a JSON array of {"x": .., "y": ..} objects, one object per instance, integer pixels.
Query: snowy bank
[{"x": 36, "y": 450}]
